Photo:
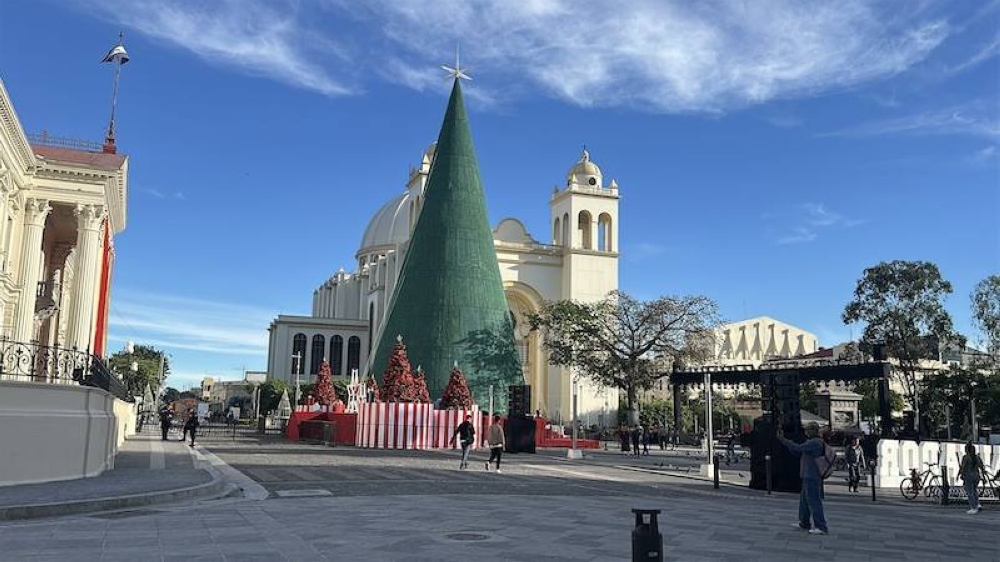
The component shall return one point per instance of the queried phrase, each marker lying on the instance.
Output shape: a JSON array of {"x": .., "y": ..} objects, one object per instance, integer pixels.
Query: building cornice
[{"x": 12, "y": 129}]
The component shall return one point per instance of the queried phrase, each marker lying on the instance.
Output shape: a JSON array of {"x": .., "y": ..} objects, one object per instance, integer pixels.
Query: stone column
[
  {"x": 88, "y": 244},
  {"x": 35, "y": 213}
]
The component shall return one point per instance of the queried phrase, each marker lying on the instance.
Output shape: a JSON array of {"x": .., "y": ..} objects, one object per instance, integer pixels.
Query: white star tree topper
[{"x": 456, "y": 72}]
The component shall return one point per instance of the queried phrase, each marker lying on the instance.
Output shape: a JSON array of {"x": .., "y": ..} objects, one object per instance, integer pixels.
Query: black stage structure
[{"x": 779, "y": 385}]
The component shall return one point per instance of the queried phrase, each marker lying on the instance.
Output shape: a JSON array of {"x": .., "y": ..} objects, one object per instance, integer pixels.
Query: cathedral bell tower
[{"x": 584, "y": 223}]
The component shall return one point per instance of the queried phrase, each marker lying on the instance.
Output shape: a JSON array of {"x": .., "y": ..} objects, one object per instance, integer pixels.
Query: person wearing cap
[{"x": 810, "y": 499}]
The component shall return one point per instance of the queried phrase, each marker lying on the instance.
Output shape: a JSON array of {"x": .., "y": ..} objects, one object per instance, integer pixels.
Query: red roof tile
[{"x": 96, "y": 160}]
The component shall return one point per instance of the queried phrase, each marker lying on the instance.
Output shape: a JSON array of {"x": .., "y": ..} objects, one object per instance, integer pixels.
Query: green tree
[
  {"x": 807, "y": 398},
  {"x": 624, "y": 343},
  {"x": 868, "y": 389},
  {"x": 147, "y": 359},
  {"x": 270, "y": 394},
  {"x": 986, "y": 317},
  {"x": 900, "y": 303},
  {"x": 955, "y": 390},
  {"x": 170, "y": 395}
]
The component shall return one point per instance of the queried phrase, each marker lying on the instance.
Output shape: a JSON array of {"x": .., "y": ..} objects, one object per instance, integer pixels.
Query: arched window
[
  {"x": 566, "y": 240},
  {"x": 556, "y": 232},
  {"x": 583, "y": 225},
  {"x": 319, "y": 343},
  {"x": 353, "y": 353},
  {"x": 298, "y": 354},
  {"x": 337, "y": 355},
  {"x": 604, "y": 242}
]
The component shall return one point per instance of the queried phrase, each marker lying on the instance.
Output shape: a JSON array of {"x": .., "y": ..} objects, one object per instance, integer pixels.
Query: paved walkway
[
  {"x": 147, "y": 470},
  {"x": 349, "y": 504}
]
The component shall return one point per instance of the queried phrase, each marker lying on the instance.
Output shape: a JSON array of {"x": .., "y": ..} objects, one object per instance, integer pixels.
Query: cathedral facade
[{"x": 578, "y": 260}]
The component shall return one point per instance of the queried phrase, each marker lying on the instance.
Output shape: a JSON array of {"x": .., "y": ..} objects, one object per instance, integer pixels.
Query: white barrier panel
[
  {"x": 385, "y": 425},
  {"x": 897, "y": 457}
]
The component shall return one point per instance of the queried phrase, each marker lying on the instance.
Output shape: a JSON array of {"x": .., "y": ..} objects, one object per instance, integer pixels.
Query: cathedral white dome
[
  {"x": 388, "y": 228},
  {"x": 584, "y": 170}
]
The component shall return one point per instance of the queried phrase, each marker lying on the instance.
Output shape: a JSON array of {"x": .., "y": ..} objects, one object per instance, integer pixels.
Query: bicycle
[{"x": 925, "y": 481}]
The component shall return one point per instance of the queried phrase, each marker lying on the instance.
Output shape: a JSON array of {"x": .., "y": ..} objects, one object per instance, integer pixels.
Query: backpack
[{"x": 826, "y": 461}]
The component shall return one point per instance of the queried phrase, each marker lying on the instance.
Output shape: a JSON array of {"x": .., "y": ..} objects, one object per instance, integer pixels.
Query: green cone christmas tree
[
  {"x": 449, "y": 299},
  {"x": 324, "y": 391},
  {"x": 456, "y": 394}
]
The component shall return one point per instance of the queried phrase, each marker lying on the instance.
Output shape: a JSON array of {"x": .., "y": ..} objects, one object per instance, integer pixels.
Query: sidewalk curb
[{"x": 216, "y": 486}]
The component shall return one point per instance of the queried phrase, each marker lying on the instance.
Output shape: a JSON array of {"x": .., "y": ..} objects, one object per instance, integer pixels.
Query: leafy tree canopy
[
  {"x": 901, "y": 304},
  {"x": 986, "y": 316},
  {"x": 147, "y": 359},
  {"x": 625, "y": 343}
]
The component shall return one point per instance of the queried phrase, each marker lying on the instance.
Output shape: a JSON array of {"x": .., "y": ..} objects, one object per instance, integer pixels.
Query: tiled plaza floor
[{"x": 409, "y": 506}]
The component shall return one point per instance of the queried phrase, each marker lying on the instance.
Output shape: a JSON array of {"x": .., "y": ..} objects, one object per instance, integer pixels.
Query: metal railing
[
  {"x": 45, "y": 139},
  {"x": 32, "y": 362}
]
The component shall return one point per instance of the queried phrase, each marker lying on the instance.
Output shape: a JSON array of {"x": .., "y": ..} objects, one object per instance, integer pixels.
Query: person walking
[
  {"x": 466, "y": 434},
  {"x": 810, "y": 500},
  {"x": 191, "y": 425},
  {"x": 164, "y": 422},
  {"x": 496, "y": 441},
  {"x": 623, "y": 439},
  {"x": 970, "y": 469},
  {"x": 731, "y": 449},
  {"x": 854, "y": 455},
  {"x": 636, "y": 435},
  {"x": 645, "y": 441}
]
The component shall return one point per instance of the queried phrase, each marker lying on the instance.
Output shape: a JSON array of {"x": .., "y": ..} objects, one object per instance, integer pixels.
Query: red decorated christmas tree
[
  {"x": 456, "y": 394},
  {"x": 397, "y": 379},
  {"x": 325, "y": 393},
  {"x": 420, "y": 386}
]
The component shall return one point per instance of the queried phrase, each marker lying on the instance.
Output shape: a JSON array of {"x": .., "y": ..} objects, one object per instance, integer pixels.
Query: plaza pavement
[
  {"x": 147, "y": 471},
  {"x": 416, "y": 506}
]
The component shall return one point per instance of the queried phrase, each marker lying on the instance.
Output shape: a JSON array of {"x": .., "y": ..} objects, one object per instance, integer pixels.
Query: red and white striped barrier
[{"x": 386, "y": 425}]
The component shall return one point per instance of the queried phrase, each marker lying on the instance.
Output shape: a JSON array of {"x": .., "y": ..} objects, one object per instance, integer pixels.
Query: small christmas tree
[
  {"x": 397, "y": 379},
  {"x": 420, "y": 386},
  {"x": 325, "y": 393},
  {"x": 456, "y": 395}
]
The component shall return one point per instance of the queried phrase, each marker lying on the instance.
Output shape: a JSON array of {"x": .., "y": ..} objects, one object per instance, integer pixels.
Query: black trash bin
[{"x": 647, "y": 543}]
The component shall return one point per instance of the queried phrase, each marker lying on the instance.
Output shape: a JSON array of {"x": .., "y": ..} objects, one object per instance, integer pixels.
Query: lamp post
[
  {"x": 574, "y": 453},
  {"x": 710, "y": 446},
  {"x": 296, "y": 362}
]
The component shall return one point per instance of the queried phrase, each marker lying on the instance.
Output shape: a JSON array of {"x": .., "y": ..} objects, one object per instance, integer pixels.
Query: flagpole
[{"x": 117, "y": 56}]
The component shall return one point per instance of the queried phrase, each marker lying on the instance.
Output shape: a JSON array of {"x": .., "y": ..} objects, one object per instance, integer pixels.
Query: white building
[
  {"x": 578, "y": 261},
  {"x": 753, "y": 341},
  {"x": 61, "y": 205}
]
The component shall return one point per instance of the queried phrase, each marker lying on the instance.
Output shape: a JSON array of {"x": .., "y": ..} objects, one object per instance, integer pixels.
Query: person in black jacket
[
  {"x": 164, "y": 422},
  {"x": 191, "y": 425},
  {"x": 467, "y": 435}
]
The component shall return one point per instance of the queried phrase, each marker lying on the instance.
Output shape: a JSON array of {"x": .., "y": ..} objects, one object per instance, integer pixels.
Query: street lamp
[
  {"x": 574, "y": 453},
  {"x": 296, "y": 363}
]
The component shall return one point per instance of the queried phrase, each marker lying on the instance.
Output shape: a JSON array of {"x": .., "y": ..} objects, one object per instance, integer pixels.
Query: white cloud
[
  {"x": 986, "y": 52},
  {"x": 711, "y": 56},
  {"x": 798, "y": 235},
  {"x": 986, "y": 155},
  {"x": 804, "y": 223},
  {"x": 977, "y": 118},
  {"x": 257, "y": 37},
  {"x": 644, "y": 250},
  {"x": 162, "y": 195},
  {"x": 179, "y": 323}
]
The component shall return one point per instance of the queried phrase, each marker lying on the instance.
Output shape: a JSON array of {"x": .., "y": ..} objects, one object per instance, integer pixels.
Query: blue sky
[{"x": 767, "y": 152}]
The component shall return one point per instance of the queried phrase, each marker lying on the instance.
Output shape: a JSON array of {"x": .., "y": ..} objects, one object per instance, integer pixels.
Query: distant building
[{"x": 754, "y": 341}]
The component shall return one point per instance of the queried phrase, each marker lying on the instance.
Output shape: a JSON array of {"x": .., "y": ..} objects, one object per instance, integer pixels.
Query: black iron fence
[{"x": 31, "y": 362}]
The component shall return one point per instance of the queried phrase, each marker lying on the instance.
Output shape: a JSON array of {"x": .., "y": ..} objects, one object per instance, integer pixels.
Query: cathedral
[{"x": 577, "y": 259}]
